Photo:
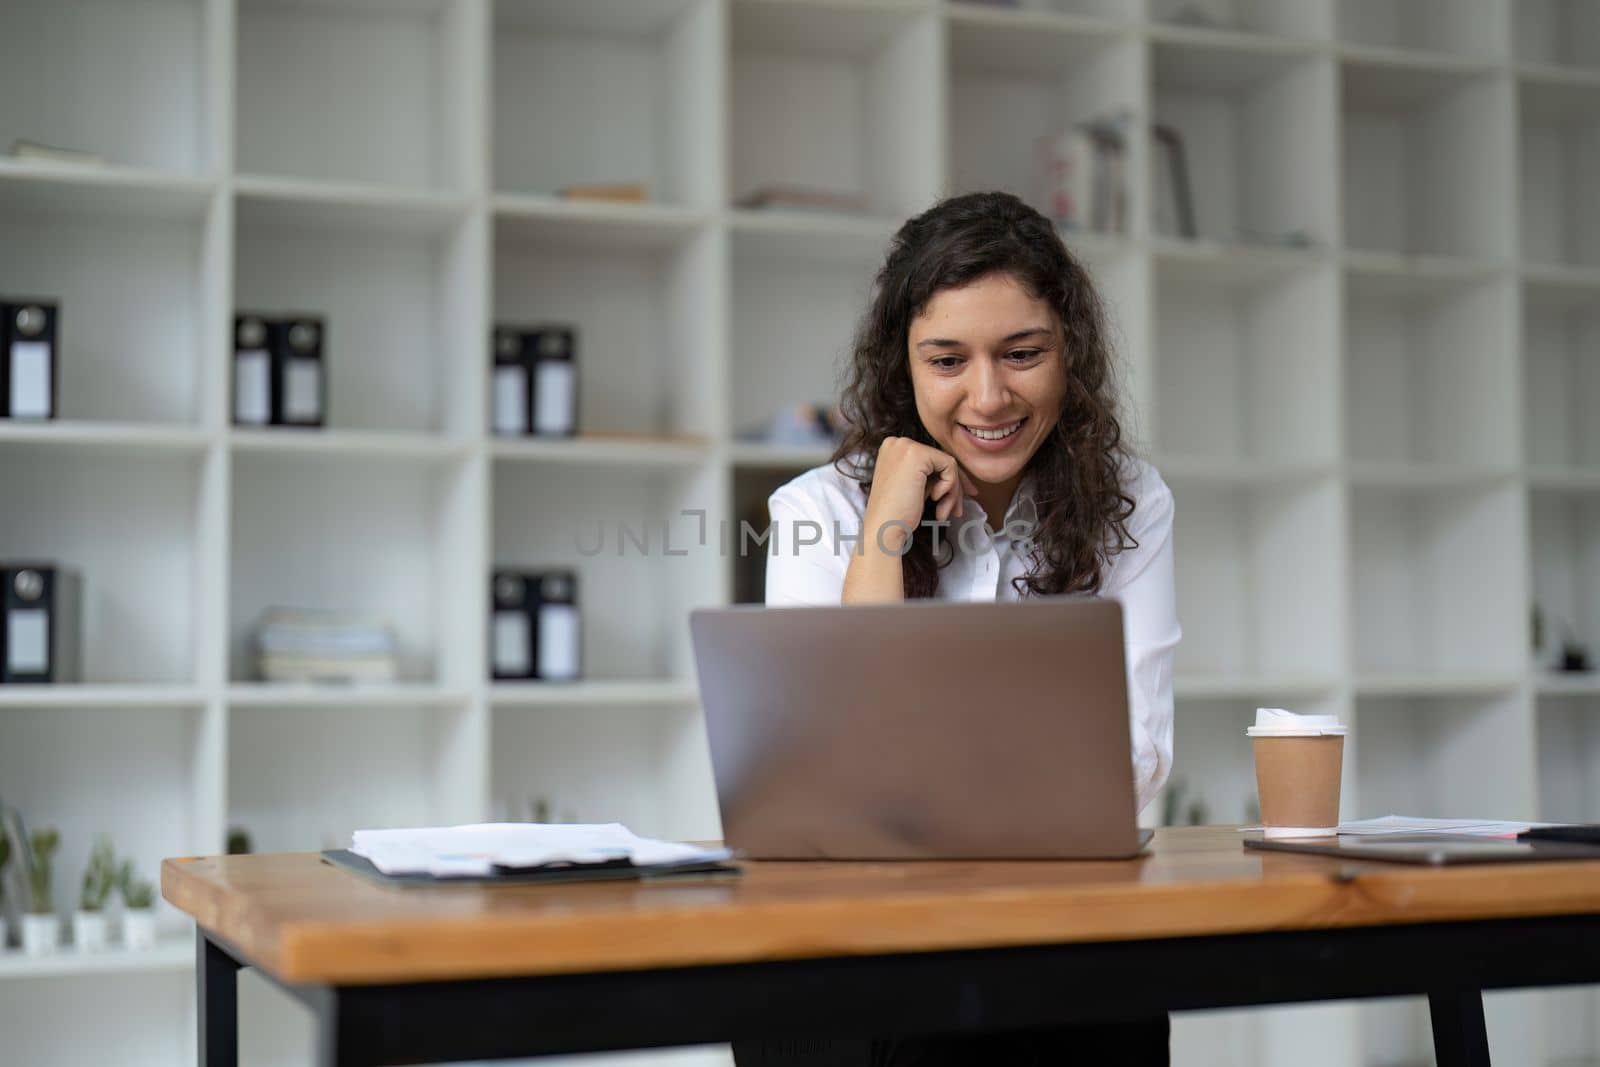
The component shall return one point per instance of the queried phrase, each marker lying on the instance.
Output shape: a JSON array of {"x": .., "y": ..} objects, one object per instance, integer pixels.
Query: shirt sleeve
[
  {"x": 804, "y": 564},
  {"x": 1145, "y": 588}
]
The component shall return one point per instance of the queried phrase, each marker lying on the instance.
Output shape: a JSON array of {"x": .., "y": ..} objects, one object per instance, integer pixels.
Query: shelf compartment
[
  {"x": 1045, "y": 80},
  {"x": 645, "y": 319},
  {"x": 842, "y": 103},
  {"x": 1409, "y": 751},
  {"x": 1565, "y": 533},
  {"x": 325, "y": 115},
  {"x": 134, "y": 526},
  {"x": 793, "y": 320},
  {"x": 1560, "y": 164},
  {"x": 1256, "y": 141},
  {"x": 139, "y": 779},
  {"x": 1561, "y": 367},
  {"x": 1258, "y": 578},
  {"x": 1556, "y": 33},
  {"x": 1474, "y": 29},
  {"x": 144, "y": 65},
  {"x": 640, "y": 70},
  {"x": 134, "y": 271},
  {"x": 1293, "y": 20},
  {"x": 371, "y": 767},
  {"x": 391, "y": 285},
  {"x": 349, "y": 534},
  {"x": 1414, "y": 615},
  {"x": 1243, "y": 369},
  {"x": 640, "y": 562},
  {"x": 645, "y": 767},
  {"x": 1428, "y": 160},
  {"x": 1429, "y": 376}
]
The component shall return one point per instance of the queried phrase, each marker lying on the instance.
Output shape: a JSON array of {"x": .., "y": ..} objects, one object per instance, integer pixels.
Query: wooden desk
[{"x": 418, "y": 975}]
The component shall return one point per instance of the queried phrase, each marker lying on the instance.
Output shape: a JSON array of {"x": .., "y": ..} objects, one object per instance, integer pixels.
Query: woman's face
[{"x": 989, "y": 375}]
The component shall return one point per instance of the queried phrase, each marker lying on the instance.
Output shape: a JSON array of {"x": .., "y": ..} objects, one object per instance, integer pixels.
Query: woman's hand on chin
[{"x": 909, "y": 473}]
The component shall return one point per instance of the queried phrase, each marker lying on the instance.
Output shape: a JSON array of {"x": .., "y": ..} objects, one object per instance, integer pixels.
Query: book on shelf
[
  {"x": 344, "y": 670},
  {"x": 1083, "y": 174},
  {"x": 1174, "y": 200},
  {"x": 305, "y": 646},
  {"x": 35, "y": 152},
  {"x": 609, "y": 192},
  {"x": 802, "y": 198}
]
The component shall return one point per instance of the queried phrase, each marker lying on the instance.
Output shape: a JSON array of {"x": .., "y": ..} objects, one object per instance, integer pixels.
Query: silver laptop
[{"x": 924, "y": 730}]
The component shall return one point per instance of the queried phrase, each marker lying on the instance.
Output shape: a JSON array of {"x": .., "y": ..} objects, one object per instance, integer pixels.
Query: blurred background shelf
[
  {"x": 1370, "y": 375},
  {"x": 593, "y": 694},
  {"x": 169, "y": 954}
]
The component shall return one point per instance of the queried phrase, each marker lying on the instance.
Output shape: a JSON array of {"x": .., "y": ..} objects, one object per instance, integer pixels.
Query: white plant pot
[
  {"x": 41, "y": 934},
  {"x": 89, "y": 931},
  {"x": 139, "y": 928}
]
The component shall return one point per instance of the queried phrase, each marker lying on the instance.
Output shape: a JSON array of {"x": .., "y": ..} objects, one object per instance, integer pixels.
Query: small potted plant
[
  {"x": 99, "y": 879},
  {"x": 41, "y": 926},
  {"x": 138, "y": 909}
]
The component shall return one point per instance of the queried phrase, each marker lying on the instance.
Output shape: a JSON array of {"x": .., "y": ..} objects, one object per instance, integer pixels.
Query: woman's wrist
[{"x": 875, "y": 575}]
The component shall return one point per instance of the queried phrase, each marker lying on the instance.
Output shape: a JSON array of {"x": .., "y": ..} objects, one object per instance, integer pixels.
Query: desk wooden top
[{"x": 307, "y": 921}]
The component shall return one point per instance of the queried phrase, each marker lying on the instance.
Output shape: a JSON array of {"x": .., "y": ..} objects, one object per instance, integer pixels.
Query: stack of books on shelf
[
  {"x": 1084, "y": 176},
  {"x": 300, "y": 646}
]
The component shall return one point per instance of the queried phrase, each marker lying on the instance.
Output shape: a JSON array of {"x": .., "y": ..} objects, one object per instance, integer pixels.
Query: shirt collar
[{"x": 1023, "y": 511}]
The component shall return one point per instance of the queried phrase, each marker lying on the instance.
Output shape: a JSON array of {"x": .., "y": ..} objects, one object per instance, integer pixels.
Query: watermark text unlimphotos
[{"x": 691, "y": 530}]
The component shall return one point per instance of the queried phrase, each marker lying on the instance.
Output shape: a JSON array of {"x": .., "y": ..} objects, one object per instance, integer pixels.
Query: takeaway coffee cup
[{"x": 1298, "y": 759}]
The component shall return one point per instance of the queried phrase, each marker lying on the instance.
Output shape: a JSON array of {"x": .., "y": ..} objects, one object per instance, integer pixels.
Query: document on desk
[
  {"x": 487, "y": 848},
  {"x": 1407, "y": 824}
]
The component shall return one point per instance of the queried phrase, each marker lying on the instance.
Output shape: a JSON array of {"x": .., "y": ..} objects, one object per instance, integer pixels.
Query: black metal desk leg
[
  {"x": 1460, "y": 1038},
  {"x": 217, "y": 979}
]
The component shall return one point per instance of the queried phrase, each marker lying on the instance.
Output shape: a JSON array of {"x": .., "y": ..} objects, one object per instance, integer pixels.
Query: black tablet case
[{"x": 1433, "y": 850}]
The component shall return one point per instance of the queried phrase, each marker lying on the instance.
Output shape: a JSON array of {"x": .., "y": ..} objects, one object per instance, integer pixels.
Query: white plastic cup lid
[{"x": 1277, "y": 722}]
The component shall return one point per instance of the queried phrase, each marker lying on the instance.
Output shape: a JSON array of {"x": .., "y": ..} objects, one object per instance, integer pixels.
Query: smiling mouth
[{"x": 996, "y": 433}]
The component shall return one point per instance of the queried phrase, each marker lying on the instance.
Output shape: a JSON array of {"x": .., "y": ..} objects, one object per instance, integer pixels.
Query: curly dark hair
[{"x": 1078, "y": 471}]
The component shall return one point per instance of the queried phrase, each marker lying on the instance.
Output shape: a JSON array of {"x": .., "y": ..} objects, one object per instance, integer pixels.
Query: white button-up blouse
[{"x": 809, "y": 564}]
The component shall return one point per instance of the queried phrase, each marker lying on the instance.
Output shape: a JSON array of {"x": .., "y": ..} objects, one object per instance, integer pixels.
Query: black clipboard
[
  {"x": 1430, "y": 850},
  {"x": 611, "y": 871}
]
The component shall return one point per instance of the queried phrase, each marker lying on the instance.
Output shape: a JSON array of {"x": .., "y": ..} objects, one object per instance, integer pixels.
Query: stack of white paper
[
  {"x": 1406, "y": 824},
  {"x": 480, "y": 849}
]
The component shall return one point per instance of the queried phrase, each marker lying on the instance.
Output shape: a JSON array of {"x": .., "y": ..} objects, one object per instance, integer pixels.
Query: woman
[{"x": 985, "y": 461}]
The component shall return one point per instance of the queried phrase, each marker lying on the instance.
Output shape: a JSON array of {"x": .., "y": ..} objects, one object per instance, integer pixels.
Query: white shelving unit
[{"x": 1371, "y": 382}]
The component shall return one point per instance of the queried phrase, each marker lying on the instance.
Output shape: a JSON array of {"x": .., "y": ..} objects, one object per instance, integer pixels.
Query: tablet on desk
[{"x": 1434, "y": 850}]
